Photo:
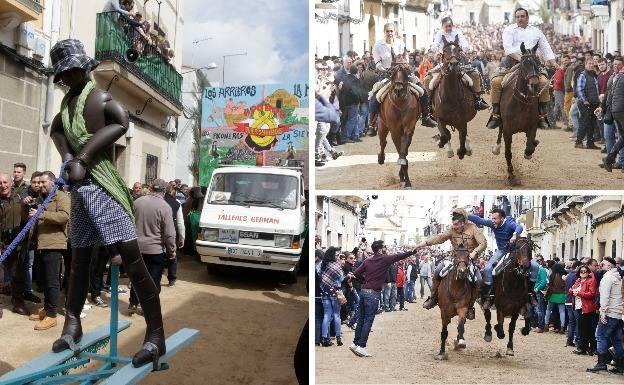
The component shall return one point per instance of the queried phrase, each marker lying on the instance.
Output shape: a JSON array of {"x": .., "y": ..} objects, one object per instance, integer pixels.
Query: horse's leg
[
  {"x": 463, "y": 133},
  {"x": 461, "y": 313},
  {"x": 449, "y": 150},
  {"x": 468, "y": 145},
  {"x": 444, "y": 136},
  {"x": 496, "y": 148},
  {"x": 530, "y": 145},
  {"x": 488, "y": 327},
  {"x": 443, "y": 334},
  {"x": 397, "y": 138},
  {"x": 508, "y": 139},
  {"x": 512, "y": 328},
  {"x": 408, "y": 183},
  {"x": 527, "y": 322},
  {"x": 402, "y": 148},
  {"x": 383, "y": 136},
  {"x": 500, "y": 319}
]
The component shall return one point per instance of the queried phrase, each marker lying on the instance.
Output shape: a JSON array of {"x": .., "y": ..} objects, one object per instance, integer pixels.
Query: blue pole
[{"x": 114, "y": 309}]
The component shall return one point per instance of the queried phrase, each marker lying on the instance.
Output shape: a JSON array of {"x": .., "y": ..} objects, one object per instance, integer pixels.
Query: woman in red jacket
[
  {"x": 400, "y": 284},
  {"x": 584, "y": 295}
]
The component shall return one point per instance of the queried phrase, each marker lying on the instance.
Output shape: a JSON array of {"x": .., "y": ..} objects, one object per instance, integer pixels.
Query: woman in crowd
[
  {"x": 556, "y": 294},
  {"x": 584, "y": 301},
  {"x": 331, "y": 284}
]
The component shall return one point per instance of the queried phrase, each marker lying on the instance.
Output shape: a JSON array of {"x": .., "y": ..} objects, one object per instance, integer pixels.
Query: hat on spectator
[
  {"x": 610, "y": 260},
  {"x": 68, "y": 54},
  {"x": 159, "y": 185}
]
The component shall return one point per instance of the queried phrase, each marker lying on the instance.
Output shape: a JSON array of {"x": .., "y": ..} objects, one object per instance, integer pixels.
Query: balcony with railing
[
  {"x": 116, "y": 35},
  {"x": 28, "y": 10}
]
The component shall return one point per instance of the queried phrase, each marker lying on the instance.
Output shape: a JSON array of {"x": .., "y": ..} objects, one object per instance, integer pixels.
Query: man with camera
[
  {"x": 12, "y": 218},
  {"x": 31, "y": 198},
  {"x": 51, "y": 239}
]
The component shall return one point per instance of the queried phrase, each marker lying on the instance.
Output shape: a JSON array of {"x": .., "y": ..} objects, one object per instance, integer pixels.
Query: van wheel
[{"x": 213, "y": 269}]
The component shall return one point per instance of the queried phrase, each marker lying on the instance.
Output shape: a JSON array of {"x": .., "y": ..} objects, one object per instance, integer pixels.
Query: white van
[{"x": 253, "y": 217}]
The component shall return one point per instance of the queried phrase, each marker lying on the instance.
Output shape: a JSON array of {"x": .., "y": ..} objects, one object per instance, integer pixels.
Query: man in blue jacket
[{"x": 506, "y": 231}]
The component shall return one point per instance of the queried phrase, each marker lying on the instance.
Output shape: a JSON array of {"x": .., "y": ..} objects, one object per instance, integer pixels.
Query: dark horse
[
  {"x": 399, "y": 114},
  {"x": 454, "y": 295},
  {"x": 453, "y": 102},
  {"x": 519, "y": 107},
  {"x": 510, "y": 290}
]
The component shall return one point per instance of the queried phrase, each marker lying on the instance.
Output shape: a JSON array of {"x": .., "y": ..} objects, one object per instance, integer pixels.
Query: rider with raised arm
[
  {"x": 449, "y": 32},
  {"x": 506, "y": 232},
  {"x": 382, "y": 57},
  {"x": 460, "y": 233},
  {"x": 513, "y": 37}
]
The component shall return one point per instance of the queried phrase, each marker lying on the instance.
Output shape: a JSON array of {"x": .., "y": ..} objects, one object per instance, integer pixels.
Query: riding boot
[
  {"x": 601, "y": 365},
  {"x": 479, "y": 103},
  {"x": 333, "y": 139},
  {"x": 372, "y": 124},
  {"x": 619, "y": 366},
  {"x": 495, "y": 119},
  {"x": 531, "y": 286},
  {"x": 487, "y": 298},
  {"x": 426, "y": 118},
  {"x": 542, "y": 110},
  {"x": 432, "y": 301},
  {"x": 76, "y": 296},
  {"x": 145, "y": 288}
]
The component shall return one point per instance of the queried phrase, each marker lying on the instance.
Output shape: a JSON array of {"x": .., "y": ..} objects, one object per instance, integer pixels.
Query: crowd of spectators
[{"x": 42, "y": 261}]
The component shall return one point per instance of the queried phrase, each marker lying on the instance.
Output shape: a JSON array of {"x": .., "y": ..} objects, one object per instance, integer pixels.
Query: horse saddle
[
  {"x": 502, "y": 264},
  {"x": 435, "y": 80},
  {"x": 448, "y": 266},
  {"x": 509, "y": 75},
  {"x": 382, "y": 88}
]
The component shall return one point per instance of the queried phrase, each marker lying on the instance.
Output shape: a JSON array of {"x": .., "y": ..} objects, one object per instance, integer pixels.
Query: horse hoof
[
  {"x": 461, "y": 344},
  {"x": 536, "y": 142},
  {"x": 402, "y": 184},
  {"x": 460, "y": 156},
  {"x": 440, "y": 144},
  {"x": 525, "y": 331},
  {"x": 528, "y": 157},
  {"x": 381, "y": 158},
  {"x": 510, "y": 352},
  {"x": 441, "y": 357},
  {"x": 408, "y": 186},
  {"x": 450, "y": 154},
  {"x": 402, "y": 162},
  {"x": 499, "y": 332},
  {"x": 496, "y": 150},
  {"x": 469, "y": 152},
  {"x": 487, "y": 337}
]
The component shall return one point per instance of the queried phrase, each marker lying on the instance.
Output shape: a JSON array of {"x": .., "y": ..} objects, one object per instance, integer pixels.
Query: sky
[{"x": 274, "y": 33}]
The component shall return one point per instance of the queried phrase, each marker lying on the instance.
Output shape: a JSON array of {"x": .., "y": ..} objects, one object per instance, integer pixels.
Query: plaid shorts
[{"x": 97, "y": 218}]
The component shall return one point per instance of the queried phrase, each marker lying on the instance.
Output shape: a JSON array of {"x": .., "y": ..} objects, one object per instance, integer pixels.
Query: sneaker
[
  {"x": 354, "y": 348},
  {"x": 46, "y": 323},
  {"x": 362, "y": 352},
  {"x": 38, "y": 316},
  {"x": 99, "y": 302},
  {"x": 172, "y": 283},
  {"x": 31, "y": 297},
  {"x": 121, "y": 291}
]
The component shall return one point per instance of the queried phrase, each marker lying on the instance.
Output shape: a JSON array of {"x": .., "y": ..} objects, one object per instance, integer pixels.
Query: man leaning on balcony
[{"x": 114, "y": 6}]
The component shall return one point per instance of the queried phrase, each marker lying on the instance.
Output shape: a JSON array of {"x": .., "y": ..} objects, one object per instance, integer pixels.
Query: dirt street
[
  {"x": 249, "y": 326},
  {"x": 403, "y": 345},
  {"x": 556, "y": 164}
]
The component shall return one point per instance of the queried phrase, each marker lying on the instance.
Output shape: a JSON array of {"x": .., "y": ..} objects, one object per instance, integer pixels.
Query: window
[
  {"x": 563, "y": 250},
  {"x": 340, "y": 240},
  {"x": 472, "y": 17},
  {"x": 413, "y": 42},
  {"x": 613, "y": 249},
  {"x": 602, "y": 246},
  {"x": 151, "y": 168}
]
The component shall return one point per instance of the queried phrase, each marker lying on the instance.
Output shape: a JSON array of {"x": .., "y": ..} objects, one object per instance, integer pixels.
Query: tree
[
  {"x": 542, "y": 10},
  {"x": 194, "y": 114}
]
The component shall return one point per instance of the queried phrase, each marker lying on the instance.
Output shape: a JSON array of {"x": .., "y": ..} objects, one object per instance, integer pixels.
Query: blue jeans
[
  {"x": 318, "y": 319},
  {"x": 373, "y": 105},
  {"x": 609, "y": 137},
  {"x": 29, "y": 258},
  {"x": 534, "y": 270},
  {"x": 331, "y": 312},
  {"x": 424, "y": 280},
  {"x": 354, "y": 308},
  {"x": 410, "y": 290},
  {"x": 610, "y": 334},
  {"x": 573, "y": 335},
  {"x": 575, "y": 116},
  {"x": 540, "y": 309},
  {"x": 561, "y": 312},
  {"x": 369, "y": 302},
  {"x": 488, "y": 279},
  {"x": 362, "y": 117},
  {"x": 351, "y": 126},
  {"x": 390, "y": 295}
]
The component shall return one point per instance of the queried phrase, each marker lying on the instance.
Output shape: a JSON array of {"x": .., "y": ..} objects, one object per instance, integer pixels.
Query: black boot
[
  {"x": 542, "y": 122},
  {"x": 326, "y": 342},
  {"x": 147, "y": 292},
  {"x": 339, "y": 341},
  {"x": 432, "y": 301},
  {"x": 333, "y": 139},
  {"x": 336, "y": 154},
  {"x": 495, "y": 119},
  {"x": 76, "y": 296},
  {"x": 372, "y": 124},
  {"x": 487, "y": 298},
  {"x": 601, "y": 365},
  {"x": 619, "y": 366},
  {"x": 426, "y": 118},
  {"x": 480, "y": 104}
]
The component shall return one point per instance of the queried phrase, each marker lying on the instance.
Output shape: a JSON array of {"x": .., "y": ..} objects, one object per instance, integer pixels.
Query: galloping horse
[
  {"x": 511, "y": 298},
  {"x": 519, "y": 107},
  {"x": 454, "y": 294},
  {"x": 453, "y": 102},
  {"x": 399, "y": 114}
]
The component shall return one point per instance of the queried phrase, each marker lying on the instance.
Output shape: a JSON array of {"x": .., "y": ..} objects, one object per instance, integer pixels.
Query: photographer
[
  {"x": 51, "y": 239},
  {"x": 12, "y": 217},
  {"x": 31, "y": 198}
]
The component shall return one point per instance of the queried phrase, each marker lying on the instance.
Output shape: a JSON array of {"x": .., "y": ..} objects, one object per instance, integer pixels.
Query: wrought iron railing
[{"x": 116, "y": 35}]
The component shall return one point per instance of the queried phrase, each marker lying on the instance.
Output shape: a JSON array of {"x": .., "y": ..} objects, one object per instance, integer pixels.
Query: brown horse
[
  {"x": 519, "y": 107},
  {"x": 399, "y": 114},
  {"x": 453, "y": 102},
  {"x": 511, "y": 298},
  {"x": 454, "y": 294}
]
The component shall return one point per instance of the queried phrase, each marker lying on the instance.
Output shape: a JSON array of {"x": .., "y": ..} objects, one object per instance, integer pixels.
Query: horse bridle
[
  {"x": 526, "y": 79},
  {"x": 446, "y": 62},
  {"x": 521, "y": 270}
]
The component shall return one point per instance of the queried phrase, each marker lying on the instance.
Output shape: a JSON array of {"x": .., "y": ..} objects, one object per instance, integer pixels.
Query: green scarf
[{"x": 101, "y": 168}]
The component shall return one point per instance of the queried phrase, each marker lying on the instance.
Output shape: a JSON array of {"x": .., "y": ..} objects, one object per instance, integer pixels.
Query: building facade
[{"x": 339, "y": 221}]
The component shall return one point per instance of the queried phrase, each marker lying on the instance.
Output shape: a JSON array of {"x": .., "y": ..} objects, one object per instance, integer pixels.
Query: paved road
[
  {"x": 403, "y": 345},
  {"x": 249, "y": 326},
  {"x": 556, "y": 164}
]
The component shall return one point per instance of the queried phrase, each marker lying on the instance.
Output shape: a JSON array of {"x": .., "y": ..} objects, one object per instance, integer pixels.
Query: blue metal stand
[{"x": 49, "y": 368}]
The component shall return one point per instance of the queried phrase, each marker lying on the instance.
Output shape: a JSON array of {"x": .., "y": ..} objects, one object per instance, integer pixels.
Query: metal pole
[
  {"x": 158, "y": 22},
  {"x": 114, "y": 309}
]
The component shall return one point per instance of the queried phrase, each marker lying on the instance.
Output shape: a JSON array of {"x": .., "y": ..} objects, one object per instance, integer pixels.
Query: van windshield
[{"x": 251, "y": 189}]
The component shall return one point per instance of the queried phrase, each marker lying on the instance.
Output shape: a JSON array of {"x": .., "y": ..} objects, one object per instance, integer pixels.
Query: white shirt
[
  {"x": 382, "y": 55},
  {"x": 438, "y": 44},
  {"x": 514, "y": 36}
]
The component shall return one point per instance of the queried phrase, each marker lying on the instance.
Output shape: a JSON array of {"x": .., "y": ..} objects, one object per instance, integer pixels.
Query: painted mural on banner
[{"x": 253, "y": 123}]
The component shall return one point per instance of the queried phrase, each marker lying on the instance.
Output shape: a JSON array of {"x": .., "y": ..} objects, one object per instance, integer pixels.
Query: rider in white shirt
[
  {"x": 450, "y": 32},
  {"x": 382, "y": 56},
  {"x": 513, "y": 36}
]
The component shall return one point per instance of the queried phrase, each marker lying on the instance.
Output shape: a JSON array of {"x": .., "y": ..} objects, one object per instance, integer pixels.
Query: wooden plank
[
  {"x": 130, "y": 375},
  {"x": 50, "y": 358}
]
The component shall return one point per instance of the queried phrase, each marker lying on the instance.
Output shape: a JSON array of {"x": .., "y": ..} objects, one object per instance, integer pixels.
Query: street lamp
[
  {"x": 224, "y": 56},
  {"x": 195, "y": 42},
  {"x": 210, "y": 66}
]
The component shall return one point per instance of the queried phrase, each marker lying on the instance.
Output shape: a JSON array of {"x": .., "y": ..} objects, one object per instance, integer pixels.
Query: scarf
[{"x": 101, "y": 168}]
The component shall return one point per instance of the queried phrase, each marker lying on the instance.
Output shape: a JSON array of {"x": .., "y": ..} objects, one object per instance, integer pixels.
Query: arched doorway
[{"x": 371, "y": 31}]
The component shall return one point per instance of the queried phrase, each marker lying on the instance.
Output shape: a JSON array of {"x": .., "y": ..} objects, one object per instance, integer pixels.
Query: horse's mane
[{"x": 400, "y": 66}]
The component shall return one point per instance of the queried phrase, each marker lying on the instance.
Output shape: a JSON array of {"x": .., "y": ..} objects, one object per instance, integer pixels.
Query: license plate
[
  {"x": 243, "y": 252},
  {"x": 228, "y": 235}
]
